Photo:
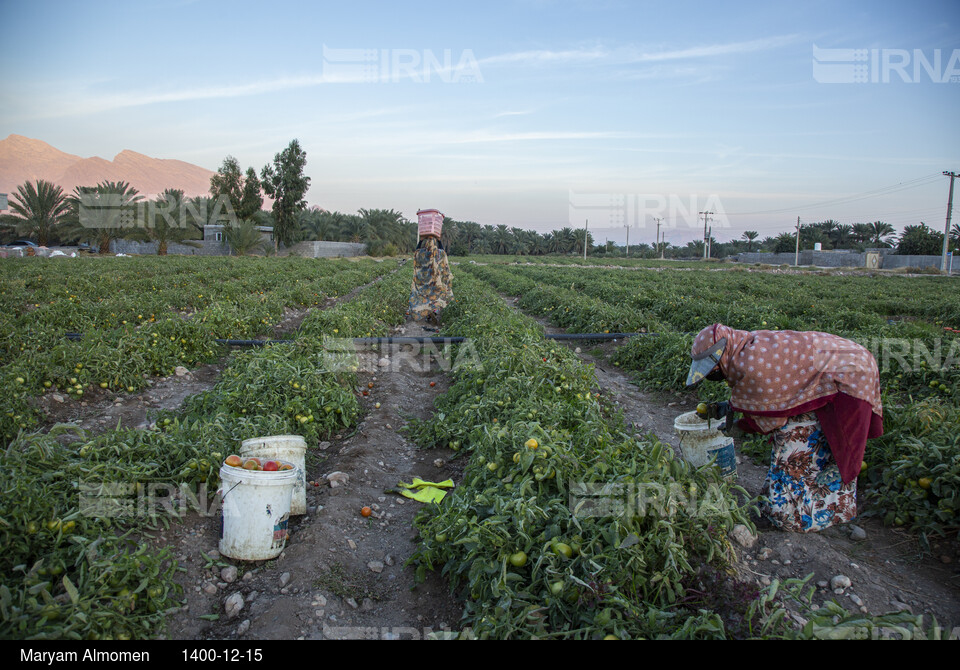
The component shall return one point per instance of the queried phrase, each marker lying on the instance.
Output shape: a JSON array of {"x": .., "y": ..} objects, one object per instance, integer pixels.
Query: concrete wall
[
  {"x": 919, "y": 262},
  {"x": 835, "y": 259},
  {"x": 327, "y": 249},
  {"x": 207, "y": 248}
]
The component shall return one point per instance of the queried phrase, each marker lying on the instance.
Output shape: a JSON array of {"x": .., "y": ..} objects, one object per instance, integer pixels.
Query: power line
[{"x": 886, "y": 190}]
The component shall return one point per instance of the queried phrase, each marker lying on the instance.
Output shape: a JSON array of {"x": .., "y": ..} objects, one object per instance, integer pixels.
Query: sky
[{"x": 537, "y": 114}]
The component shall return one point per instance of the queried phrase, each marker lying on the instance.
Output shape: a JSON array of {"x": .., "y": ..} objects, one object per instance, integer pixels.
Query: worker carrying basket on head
[
  {"x": 818, "y": 397},
  {"x": 432, "y": 284}
]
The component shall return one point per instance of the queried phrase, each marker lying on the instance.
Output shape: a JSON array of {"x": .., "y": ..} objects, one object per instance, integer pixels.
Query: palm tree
[
  {"x": 810, "y": 235},
  {"x": 350, "y": 228},
  {"x": 955, "y": 236},
  {"x": 880, "y": 233},
  {"x": 167, "y": 222},
  {"x": 862, "y": 232},
  {"x": 842, "y": 235},
  {"x": 783, "y": 243},
  {"x": 469, "y": 233},
  {"x": 750, "y": 236},
  {"x": 243, "y": 237},
  {"x": 565, "y": 240},
  {"x": 39, "y": 209},
  {"x": 829, "y": 228},
  {"x": 103, "y": 213},
  {"x": 450, "y": 233},
  {"x": 380, "y": 227},
  {"x": 314, "y": 225},
  {"x": 502, "y": 240},
  {"x": 579, "y": 241},
  {"x": 538, "y": 244}
]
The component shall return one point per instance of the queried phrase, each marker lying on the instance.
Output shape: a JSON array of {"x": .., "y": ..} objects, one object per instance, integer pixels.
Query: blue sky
[{"x": 536, "y": 114}]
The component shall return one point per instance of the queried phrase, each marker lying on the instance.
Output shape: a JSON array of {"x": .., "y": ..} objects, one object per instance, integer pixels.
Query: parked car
[{"x": 23, "y": 243}]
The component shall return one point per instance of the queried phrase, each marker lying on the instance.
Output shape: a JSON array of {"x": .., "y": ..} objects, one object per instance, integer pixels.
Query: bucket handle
[{"x": 224, "y": 496}]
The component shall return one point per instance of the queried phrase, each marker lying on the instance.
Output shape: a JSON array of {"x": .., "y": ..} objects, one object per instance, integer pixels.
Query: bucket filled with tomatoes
[{"x": 255, "y": 496}]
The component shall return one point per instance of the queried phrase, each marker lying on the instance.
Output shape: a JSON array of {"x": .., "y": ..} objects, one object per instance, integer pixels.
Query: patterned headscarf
[{"x": 774, "y": 372}]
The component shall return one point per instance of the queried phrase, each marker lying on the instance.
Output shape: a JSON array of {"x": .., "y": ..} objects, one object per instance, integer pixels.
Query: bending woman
[{"x": 818, "y": 396}]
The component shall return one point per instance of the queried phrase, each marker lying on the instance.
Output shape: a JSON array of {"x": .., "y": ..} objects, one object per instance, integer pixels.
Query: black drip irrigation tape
[{"x": 414, "y": 340}]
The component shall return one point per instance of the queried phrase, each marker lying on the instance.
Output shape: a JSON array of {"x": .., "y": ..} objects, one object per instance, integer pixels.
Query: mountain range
[{"x": 24, "y": 159}]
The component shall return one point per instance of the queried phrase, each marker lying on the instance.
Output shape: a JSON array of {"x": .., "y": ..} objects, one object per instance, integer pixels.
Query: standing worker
[
  {"x": 817, "y": 395},
  {"x": 432, "y": 287}
]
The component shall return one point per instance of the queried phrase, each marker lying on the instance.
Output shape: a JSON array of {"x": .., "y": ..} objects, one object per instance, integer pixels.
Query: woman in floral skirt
[
  {"x": 818, "y": 396},
  {"x": 431, "y": 290}
]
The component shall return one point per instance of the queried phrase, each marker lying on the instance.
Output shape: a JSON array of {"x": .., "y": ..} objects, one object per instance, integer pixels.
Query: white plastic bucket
[
  {"x": 701, "y": 441},
  {"x": 254, "y": 512},
  {"x": 289, "y": 448}
]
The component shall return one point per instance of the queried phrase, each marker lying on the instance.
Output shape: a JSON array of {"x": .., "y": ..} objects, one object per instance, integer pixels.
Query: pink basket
[{"x": 429, "y": 222}]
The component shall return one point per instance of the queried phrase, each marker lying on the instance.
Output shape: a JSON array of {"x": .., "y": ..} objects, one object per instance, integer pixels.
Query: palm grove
[{"x": 102, "y": 213}]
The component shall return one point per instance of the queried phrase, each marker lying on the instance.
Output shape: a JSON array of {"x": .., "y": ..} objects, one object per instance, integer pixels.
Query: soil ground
[{"x": 343, "y": 576}]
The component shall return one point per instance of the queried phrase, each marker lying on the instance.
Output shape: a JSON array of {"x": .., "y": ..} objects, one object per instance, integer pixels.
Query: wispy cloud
[
  {"x": 633, "y": 54},
  {"x": 518, "y": 112}
]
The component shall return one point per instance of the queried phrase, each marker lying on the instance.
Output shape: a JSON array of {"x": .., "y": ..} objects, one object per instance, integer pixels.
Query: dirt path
[
  {"x": 341, "y": 575},
  {"x": 104, "y": 410},
  {"x": 887, "y": 569}
]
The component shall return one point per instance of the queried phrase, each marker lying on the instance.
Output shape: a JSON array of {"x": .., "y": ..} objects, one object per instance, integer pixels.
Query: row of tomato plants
[
  {"x": 76, "y": 512},
  {"x": 142, "y": 318},
  {"x": 567, "y": 524},
  {"x": 685, "y": 299},
  {"x": 913, "y": 471}
]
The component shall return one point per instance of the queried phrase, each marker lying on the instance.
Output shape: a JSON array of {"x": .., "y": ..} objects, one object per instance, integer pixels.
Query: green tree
[
  {"x": 243, "y": 192},
  {"x": 750, "y": 236},
  {"x": 228, "y": 183},
  {"x": 252, "y": 199},
  {"x": 285, "y": 182},
  {"x": 920, "y": 241},
  {"x": 39, "y": 209}
]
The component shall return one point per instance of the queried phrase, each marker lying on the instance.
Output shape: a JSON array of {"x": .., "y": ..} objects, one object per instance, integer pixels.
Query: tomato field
[{"x": 536, "y": 438}]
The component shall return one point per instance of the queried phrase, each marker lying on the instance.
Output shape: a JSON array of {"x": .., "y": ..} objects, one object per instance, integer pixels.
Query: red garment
[{"x": 774, "y": 375}]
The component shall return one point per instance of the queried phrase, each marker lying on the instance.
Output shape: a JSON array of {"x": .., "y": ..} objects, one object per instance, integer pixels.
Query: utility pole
[
  {"x": 796, "y": 256},
  {"x": 627, "y": 226},
  {"x": 946, "y": 230},
  {"x": 586, "y": 223},
  {"x": 658, "y": 219},
  {"x": 705, "y": 219},
  {"x": 709, "y": 241}
]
